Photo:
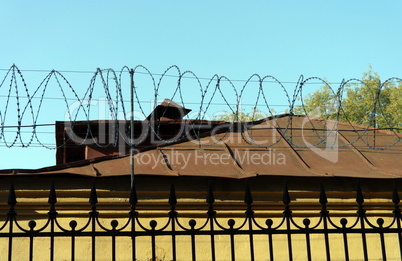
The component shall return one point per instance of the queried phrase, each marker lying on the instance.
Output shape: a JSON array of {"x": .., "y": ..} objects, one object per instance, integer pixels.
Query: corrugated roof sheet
[{"x": 284, "y": 146}]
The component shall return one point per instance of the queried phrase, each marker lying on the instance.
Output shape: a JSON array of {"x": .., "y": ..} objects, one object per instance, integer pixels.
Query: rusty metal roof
[{"x": 286, "y": 145}]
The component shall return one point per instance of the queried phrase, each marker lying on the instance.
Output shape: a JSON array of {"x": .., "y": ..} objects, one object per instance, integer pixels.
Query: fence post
[{"x": 133, "y": 216}]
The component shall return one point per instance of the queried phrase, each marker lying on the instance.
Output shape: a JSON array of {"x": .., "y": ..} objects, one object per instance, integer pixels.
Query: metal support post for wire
[{"x": 132, "y": 125}]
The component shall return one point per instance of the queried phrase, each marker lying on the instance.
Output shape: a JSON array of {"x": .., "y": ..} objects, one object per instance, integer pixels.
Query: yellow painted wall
[
  {"x": 163, "y": 249},
  {"x": 113, "y": 204}
]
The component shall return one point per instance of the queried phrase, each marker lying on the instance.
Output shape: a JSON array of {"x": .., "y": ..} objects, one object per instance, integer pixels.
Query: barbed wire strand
[{"x": 217, "y": 91}]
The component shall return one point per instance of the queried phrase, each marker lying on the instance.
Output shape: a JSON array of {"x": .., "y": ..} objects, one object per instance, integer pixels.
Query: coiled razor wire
[{"x": 17, "y": 116}]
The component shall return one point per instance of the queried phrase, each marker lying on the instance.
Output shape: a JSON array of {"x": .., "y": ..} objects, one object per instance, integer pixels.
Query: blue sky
[{"x": 331, "y": 39}]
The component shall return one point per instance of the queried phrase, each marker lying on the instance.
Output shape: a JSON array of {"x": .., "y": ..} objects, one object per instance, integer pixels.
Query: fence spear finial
[
  {"x": 395, "y": 195},
  {"x": 396, "y": 200},
  {"x": 286, "y": 200},
  {"x": 52, "y": 200},
  {"x": 12, "y": 199},
  {"x": 52, "y": 195},
  {"x": 323, "y": 196},
  {"x": 248, "y": 198},
  {"x": 210, "y": 195},
  {"x": 93, "y": 198},
  {"x": 210, "y": 201},
  {"x": 360, "y": 200},
  {"x": 359, "y": 194},
  {"x": 172, "y": 197},
  {"x": 286, "y": 196},
  {"x": 323, "y": 201}
]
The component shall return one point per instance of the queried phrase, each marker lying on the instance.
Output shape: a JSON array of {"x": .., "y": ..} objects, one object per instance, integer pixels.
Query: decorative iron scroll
[{"x": 211, "y": 227}]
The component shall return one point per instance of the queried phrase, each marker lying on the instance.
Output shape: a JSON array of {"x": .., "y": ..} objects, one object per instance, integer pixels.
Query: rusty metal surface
[
  {"x": 285, "y": 146},
  {"x": 111, "y": 143}
]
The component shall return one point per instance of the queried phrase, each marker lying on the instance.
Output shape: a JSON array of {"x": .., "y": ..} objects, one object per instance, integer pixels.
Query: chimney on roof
[{"x": 168, "y": 110}]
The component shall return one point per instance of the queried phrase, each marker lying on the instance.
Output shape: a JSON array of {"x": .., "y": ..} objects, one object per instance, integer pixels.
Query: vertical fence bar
[
  {"x": 345, "y": 245},
  {"x": 153, "y": 248},
  {"x": 193, "y": 252},
  {"x": 211, "y": 227},
  {"x": 93, "y": 200},
  {"x": 12, "y": 201},
  {"x": 52, "y": 216},
  {"x": 251, "y": 240},
  {"x": 10, "y": 239},
  {"x": 248, "y": 199},
  {"x": 361, "y": 215},
  {"x": 114, "y": 223},
  {"x": 133, "y": 216},
  {"x": 173, "y": 220},
  {"x": 364, "y": 239},
  {"x": 380, "y": 223},
  {"x": 133, "y": 237},
  {"x": 93, "y": 240},
  {"x": 211, "y": 217},
  {"x": 326, "y": 238},
  {"x": 72, "y": 248},
  {"x": 31, "y": 225},
  {"x": 132, "y": 125},
  {"x": 132, "y": 213},
  {"x": 324, "y": 214},
  {"x": 269, "y": 223},
  {"x": 288, "y": 215},
  {"x": 51, "y": 240},
  {"x": 289, "y": 237},
  {"x": 397, "y": 216},
  {"x": 153, "y": 224},
  {"x": 114, "y": 248},
  {"x": 73, "y": 225},
  {"x": 306, "y": 223},
  {"x": 172, "y": 216},
  {"x": 232, "y": 248},
  {"x": 271, "y": 248},
  {"x": 344, "y": 222},
  {"x": 31, "y": 248},
  {"x": 192, "y": 224},
  {"x": 398, "y": 224},
  {"x": 231, "y": 224},
  {"x": 308, "y": 246}
]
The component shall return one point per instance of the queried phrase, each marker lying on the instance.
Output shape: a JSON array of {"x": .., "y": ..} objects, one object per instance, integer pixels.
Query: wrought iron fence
[{"x": 387, "y": 236}]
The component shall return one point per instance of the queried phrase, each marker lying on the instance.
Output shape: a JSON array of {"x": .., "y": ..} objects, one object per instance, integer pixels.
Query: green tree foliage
[
  {"x": 241, "y": 116},
  {"x": 369, "y": 102}
]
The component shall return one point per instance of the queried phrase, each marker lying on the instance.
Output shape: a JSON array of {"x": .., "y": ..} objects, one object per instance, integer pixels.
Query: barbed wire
[
  {"x": 155, "y": 74},
  {"x": 24, "y": 109}
]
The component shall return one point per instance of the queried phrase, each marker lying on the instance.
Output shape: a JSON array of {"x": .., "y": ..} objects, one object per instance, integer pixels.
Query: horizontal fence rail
[{"x": 257, "y": 237}]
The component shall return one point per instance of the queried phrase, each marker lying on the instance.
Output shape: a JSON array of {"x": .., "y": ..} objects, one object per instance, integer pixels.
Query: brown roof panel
[{"x": 284, "y": 146}]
